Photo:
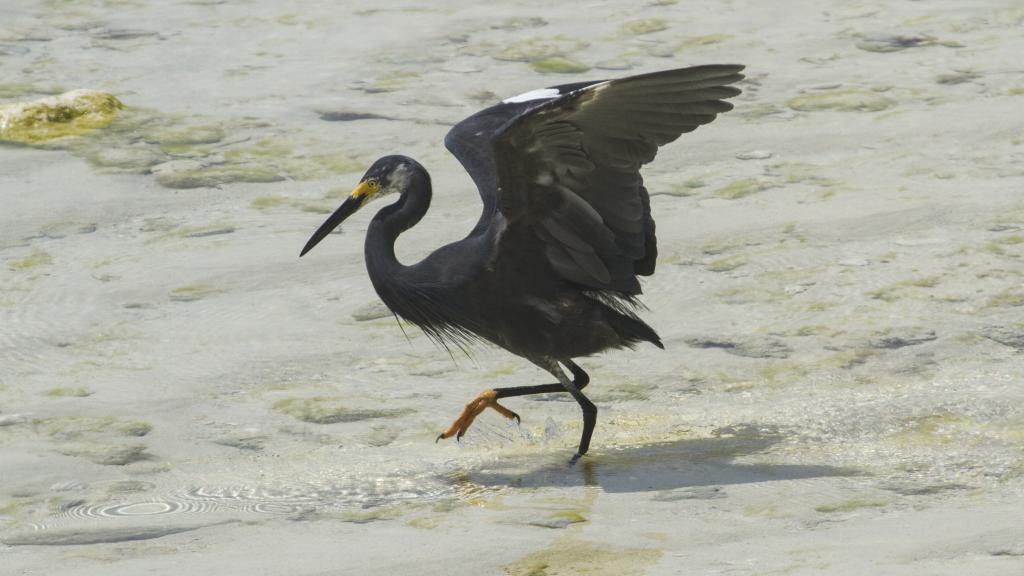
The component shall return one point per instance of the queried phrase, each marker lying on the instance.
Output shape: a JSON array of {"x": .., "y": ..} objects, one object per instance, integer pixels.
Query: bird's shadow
[{"x": 662, "y": 466}]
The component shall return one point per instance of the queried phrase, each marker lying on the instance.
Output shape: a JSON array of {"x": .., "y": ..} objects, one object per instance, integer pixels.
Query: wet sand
[{"x": 839, "y": 287}]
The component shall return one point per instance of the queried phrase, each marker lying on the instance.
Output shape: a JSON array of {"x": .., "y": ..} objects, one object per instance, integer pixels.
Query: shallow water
[{"x": 839, "y": 289}]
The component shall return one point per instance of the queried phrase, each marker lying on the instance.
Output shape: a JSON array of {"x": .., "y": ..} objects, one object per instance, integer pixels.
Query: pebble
[{"x": 754, "y": 155}]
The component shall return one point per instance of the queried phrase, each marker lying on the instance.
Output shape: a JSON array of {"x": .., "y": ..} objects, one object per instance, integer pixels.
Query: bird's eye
[{"x": 374, "y": 184}]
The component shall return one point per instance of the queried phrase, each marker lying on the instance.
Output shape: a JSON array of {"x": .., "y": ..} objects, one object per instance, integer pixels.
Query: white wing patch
[{"x": 539, "y": 94}]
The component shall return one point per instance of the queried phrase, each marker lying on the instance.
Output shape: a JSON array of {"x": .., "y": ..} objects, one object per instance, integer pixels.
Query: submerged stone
[
  {"x": 646, "y": 26},
  {"x": 844, "y": 100},
  {"x": 69, "y": 114},
  {"x": 559, "y": 65},
  {"x": 892, "y": 42}
]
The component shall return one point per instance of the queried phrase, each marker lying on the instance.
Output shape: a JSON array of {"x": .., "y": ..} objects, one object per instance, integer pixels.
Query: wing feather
[{"x": 562, "y": 165}]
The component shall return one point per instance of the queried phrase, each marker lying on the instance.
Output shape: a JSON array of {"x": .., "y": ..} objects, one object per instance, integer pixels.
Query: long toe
[
  {"x": 484, "y": 400},
  {"x": 505, "y": 412}
]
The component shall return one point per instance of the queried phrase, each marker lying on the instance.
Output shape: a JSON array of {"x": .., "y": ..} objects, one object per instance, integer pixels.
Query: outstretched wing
[
  {"x": 568, "y": 169},
  {"x": 470, "y": 141}
]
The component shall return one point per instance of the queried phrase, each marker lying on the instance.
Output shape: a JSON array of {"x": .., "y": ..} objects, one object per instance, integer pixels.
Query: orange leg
[{"x": 484, "y": 400}]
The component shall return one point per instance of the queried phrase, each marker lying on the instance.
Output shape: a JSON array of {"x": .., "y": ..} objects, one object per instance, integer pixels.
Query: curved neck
[{"x": 394, "y": 219}]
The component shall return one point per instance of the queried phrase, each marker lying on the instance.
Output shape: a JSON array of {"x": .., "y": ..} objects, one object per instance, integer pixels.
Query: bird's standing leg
[
  {"x": 489, "y": 399},
  {"x": 589, "y": 409}
]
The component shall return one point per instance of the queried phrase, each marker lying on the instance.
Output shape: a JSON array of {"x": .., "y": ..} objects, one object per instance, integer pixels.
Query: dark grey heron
[{"x": 550, "y": 270}]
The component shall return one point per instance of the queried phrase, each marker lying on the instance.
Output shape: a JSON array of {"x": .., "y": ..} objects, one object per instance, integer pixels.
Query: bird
[{"x": 550, "y": 270}]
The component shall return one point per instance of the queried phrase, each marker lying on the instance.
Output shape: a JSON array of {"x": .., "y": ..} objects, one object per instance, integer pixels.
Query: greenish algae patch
[
  {"x": 398, "y": 80},
  {"x": 570, "y": 556},
  {"x": 742, "y": 188},
  {"x": 1011, "y": 297},
  {"x": 107, "y": 455},
  {"x": 184, "y": 140},
  {"x": 901, "y": 289},
  {"x": 621, "y": 393},
  {"x": 935, "y": 430},
  {"x": 69, "y": 114},
  {"x": 559, "y": 65},
  {"x": 34, "y": 260},
  {"x": 645, "y": 26},
  {"x": 270, "y": 202},
  {"x": 215, "y": 175},
  {"x": 704, "y": 40},
  {"x": 368, "y": 515},
  {"x": 534, "y": 49},
  {"x": 331, "y": 410},
  {"x": 850, "y": 505},
  {"x": 782, "y": 372},
  {"x": 192, "y": 292},
  {"x": 424, "y": 523},
  {"x": 845, "y": 359},
  {"x": 76, "y": 427},
  {"x": 726, "y": 264},
  {"x": 78, "y": 392},
  {"x": 843, "y": 100}
]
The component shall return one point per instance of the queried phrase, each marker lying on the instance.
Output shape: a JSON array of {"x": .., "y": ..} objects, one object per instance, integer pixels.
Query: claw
[{"x": 486, "y": 399}]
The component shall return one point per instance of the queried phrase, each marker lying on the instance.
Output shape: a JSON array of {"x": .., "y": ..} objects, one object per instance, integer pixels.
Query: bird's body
[
  {"x": 457, "y": 296},
  {"x": 550, "y": 270}
]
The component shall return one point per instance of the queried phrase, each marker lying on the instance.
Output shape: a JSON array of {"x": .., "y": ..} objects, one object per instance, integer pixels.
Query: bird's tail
[{"x": 632, "y": 329}]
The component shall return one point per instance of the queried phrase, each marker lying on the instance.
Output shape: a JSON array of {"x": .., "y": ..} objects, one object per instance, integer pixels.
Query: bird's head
[{"x": 388, "y": 175}]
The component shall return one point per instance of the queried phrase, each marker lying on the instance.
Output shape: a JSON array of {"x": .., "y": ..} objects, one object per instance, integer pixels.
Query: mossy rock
[
  {"x": 843, "y": 100},
  {"x": 559, "y": 65},
  {"x": 69, "y": 114},
  {"x": 646, "y": 26}
]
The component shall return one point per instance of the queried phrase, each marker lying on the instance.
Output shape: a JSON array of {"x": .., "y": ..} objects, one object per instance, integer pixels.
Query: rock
[
  {"x": 957, "y": 77},
  {"x": 561, "y": 519},
  {"x": 185, "y": 174},
  {"x": 1014, "y": 338},
  {"x": 892, "y": 42},
  {"x": 349, "y": 116},
  {"x": 252, "y": 442},
  {"x": 13, "y": 419},
  {"x": 749, "y": 347},
  {"x": 371, "y": 311},
  {"x": 902, "y": 337},
  {"x": 107, "y": 455},
  {"x": 69, "y": 114}
]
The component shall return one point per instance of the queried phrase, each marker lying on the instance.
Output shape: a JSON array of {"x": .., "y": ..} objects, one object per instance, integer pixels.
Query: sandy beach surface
[{"x": 840, "y": 289}]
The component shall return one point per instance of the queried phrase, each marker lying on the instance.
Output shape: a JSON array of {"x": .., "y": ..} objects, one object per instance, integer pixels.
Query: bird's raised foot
[
  {"x": 575, "y": 458},
  {"x": 484, "y": 400}
]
